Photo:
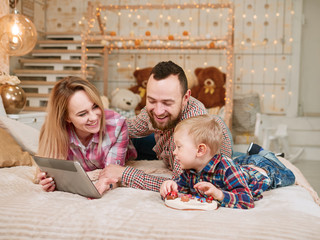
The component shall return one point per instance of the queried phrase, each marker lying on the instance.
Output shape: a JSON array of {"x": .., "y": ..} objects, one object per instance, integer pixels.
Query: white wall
[{"x": 309, "y": 100}]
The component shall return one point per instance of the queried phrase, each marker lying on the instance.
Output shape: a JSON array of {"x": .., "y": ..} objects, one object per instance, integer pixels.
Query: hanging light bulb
[{"x": 18, "y": 35}]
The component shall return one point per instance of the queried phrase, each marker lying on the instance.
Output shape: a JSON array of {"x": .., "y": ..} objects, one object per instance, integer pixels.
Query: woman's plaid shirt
[{"x": 141, "y": 126}]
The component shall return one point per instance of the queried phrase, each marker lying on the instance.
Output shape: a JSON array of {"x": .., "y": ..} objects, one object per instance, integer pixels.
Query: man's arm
[
  {"x": 136, "y": 178},
  {"x": 226, "y": 146},
  {"x": 139, "y": 125},
  {"x": 132, "y": 177}
]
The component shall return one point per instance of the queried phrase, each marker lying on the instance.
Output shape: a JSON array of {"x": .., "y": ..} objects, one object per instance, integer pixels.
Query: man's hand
[
  {"x": 104, "y": 184},
  {"x": 112, "y": 171}
]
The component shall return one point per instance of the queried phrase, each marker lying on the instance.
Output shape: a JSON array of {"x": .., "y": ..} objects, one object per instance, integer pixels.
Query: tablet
[{"x": 69, "y": 176}]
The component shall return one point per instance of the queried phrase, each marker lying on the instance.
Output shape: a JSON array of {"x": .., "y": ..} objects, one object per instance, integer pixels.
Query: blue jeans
[{"x": 279, "y": 174}]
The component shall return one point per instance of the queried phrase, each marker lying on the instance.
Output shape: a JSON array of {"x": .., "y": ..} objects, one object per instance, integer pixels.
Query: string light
[{"x": 190, "y": 42}]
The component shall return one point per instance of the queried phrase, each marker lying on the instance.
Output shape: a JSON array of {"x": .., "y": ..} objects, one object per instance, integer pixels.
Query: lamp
[{"x": 18, "y": 35}]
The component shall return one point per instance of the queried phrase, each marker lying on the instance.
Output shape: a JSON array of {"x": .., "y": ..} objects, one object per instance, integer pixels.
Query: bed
[{"x": 27, "y": 212}]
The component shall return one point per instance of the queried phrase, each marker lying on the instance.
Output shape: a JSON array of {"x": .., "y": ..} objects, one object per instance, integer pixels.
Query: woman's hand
[
  {"x": 46, "y": 182},
  {"x": 168, "y": 186}
]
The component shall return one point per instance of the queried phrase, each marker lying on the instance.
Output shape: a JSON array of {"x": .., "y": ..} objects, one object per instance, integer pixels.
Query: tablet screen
[{"x": 69, "y": 176}]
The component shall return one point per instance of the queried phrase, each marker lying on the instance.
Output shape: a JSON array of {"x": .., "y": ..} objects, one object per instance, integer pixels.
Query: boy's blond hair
[{"x": 203, "y": 129}]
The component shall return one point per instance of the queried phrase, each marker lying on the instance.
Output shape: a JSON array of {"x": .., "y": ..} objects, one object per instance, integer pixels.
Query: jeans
[
  {"x": 144, "y": 147},
  {"x": 278, "y": 173}
]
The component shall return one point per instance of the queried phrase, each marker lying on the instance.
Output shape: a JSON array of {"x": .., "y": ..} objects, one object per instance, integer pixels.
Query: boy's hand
[
  {"x": 210, "y": 190},
  {"x": 168, "y": 186}
]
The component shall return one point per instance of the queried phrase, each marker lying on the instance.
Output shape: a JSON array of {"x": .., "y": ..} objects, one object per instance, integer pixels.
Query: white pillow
[
  {"x": 2, "y": 110},
  {"x": 27, "y": 137}
]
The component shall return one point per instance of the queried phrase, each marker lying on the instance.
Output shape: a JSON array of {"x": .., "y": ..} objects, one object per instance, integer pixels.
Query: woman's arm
[{"x": 119, "y": 143}]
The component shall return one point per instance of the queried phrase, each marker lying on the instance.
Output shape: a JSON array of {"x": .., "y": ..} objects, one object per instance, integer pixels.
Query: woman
[{"x": 78, "y": 128}]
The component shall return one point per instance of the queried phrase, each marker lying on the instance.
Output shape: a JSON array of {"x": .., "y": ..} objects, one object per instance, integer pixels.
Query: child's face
[{"x": 186, "y": 149}]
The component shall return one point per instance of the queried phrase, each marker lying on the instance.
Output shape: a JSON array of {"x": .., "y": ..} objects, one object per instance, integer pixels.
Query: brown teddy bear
[
  {"x": 141, "y": 76},
  {"x": 210, "y": 89}
]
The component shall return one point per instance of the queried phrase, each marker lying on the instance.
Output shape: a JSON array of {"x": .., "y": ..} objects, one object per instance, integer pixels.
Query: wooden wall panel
[{"x": 263, "y": 40}]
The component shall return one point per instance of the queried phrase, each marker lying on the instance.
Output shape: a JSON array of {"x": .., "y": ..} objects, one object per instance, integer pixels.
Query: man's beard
[{"x": 169, "y": 125}]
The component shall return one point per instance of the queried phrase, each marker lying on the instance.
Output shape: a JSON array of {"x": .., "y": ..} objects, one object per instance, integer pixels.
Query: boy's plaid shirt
[{"x": 241, "y": 185}]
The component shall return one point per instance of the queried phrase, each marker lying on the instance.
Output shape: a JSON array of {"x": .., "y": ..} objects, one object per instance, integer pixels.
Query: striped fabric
[
  {"x": 116, "y": 146},
  {"x": 241, "y": 185},
  {"x": 141, "y": 126}
]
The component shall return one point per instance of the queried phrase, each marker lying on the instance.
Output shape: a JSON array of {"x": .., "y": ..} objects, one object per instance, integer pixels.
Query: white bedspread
[{"x": 27, "y": 212}]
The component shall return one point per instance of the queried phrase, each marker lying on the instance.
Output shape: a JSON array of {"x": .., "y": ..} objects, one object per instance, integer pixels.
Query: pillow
[
  {"x": 27, "y": 137},
  {"x": 11, "y": 153},
  {"x": 2, "y": 110}
]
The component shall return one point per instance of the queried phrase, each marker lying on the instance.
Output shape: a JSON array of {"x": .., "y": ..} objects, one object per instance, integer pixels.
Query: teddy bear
[
  {"x": 141, "y": 76},
  {"x": 124, "y": 102},
  {"x": 211, "y": 87}
]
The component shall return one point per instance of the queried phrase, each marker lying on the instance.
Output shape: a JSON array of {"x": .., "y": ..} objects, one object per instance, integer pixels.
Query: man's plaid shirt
[{"x": 141, "y": 126}]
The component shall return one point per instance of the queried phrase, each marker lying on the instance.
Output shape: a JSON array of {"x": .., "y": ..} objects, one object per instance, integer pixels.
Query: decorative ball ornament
[
  {"x": 13, "y": 98},
  {"x": 137, "y": 42},
  {"x": 212, "y": 45},
  {"x": 18, "y": 35},
  {"x": 148, "y": 33},
  {"x": 113, "y": 33},
  {"x": 170, "y": 37},
  {"x": 185, "y": 33}
]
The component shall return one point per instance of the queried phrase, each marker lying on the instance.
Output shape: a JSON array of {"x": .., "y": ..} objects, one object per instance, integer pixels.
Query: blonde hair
[
  {"x": 54, "y": 139},
  {"x": 203, "y": 129}
]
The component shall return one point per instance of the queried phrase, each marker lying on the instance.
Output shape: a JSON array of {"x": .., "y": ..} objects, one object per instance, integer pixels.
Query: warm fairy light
[
  {"x": 171, "y": 40},
  {"x": 277, "y": 14}
]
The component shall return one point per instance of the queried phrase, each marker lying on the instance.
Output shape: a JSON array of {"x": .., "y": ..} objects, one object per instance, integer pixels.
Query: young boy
[{"x": 206, "y": 172}]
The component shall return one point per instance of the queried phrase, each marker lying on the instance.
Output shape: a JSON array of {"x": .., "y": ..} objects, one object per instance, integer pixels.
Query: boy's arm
[{"x": 236, "y": 190}]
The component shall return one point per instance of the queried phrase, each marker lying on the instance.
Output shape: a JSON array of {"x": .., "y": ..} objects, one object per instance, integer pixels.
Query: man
[{"x": 168, "y": 102}]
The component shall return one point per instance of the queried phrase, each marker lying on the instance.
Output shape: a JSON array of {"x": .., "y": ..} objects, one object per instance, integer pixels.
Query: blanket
[{"x": 27, "y": 212}]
